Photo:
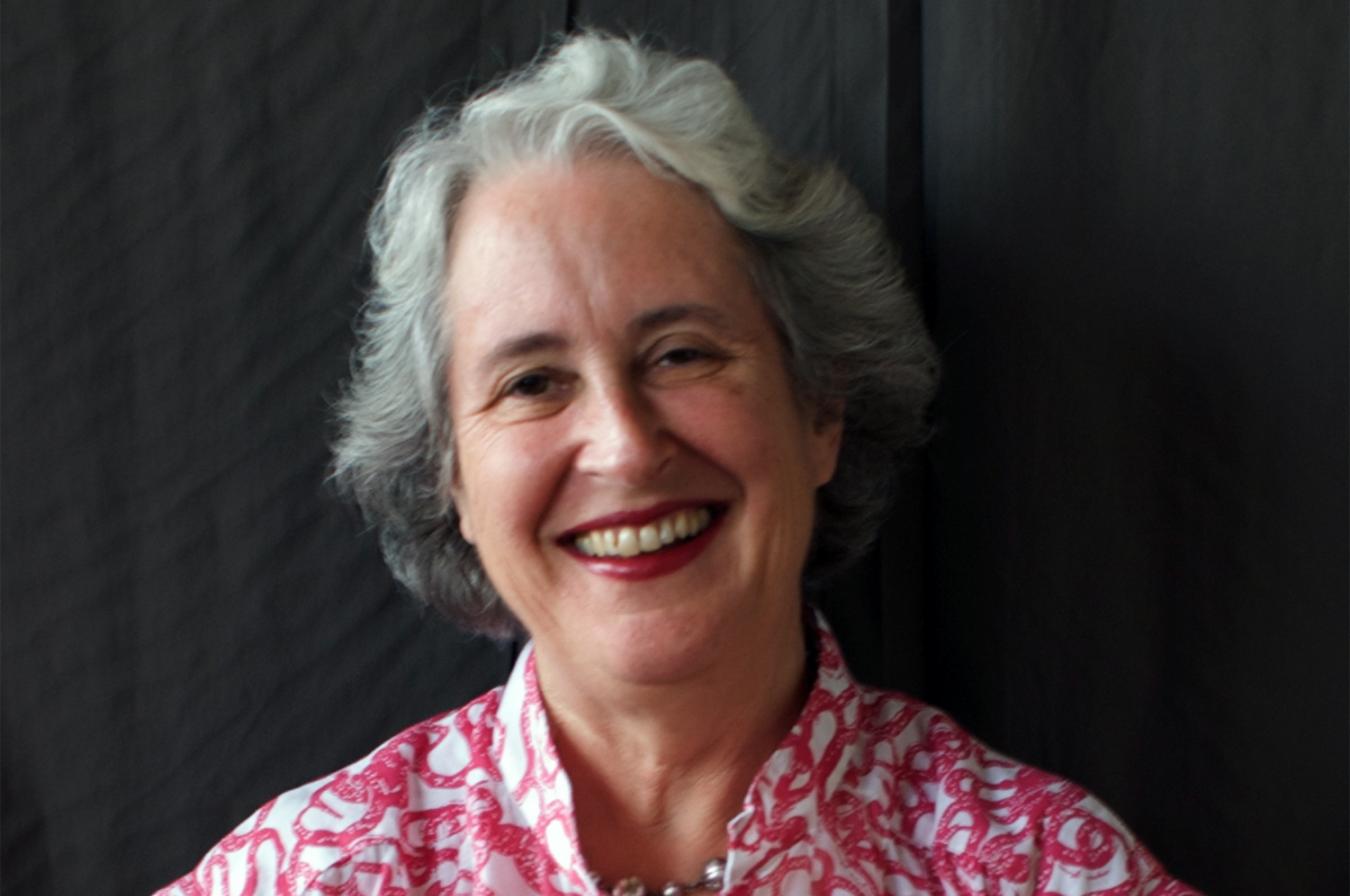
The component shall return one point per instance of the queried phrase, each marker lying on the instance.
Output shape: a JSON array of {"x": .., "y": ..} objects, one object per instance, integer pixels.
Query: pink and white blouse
[{"x": 870, "y": 792}]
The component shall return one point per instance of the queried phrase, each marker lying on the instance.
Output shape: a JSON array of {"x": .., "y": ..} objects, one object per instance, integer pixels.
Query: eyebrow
[
  {"x": 669, "y": 314},
  {"x": 521, "y": 346}
]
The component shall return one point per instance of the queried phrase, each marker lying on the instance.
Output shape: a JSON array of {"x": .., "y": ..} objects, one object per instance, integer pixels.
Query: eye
[
  {"x": 532, "y": 394},
  {"x": 682, "y": 358},
  {"x": 538, "y": 387},
  {"x": 530, "y": 385},
  {"x": 680, "y": 355}
]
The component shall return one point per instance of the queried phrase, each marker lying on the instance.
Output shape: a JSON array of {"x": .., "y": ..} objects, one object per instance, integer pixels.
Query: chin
[{"x": 664, "y": 648}]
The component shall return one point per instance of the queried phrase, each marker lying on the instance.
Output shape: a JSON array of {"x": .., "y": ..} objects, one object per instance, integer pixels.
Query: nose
[{"x": 623, "y": 436}]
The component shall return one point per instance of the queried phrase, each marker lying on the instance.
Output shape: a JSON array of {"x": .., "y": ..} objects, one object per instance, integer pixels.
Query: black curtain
[
  {"x": 1123, "y": 556},
  {"x": 1136, "y": 221}
]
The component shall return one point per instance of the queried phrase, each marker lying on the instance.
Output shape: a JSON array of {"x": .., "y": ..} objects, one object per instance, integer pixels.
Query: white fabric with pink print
[{"x": 870, "y": 792}]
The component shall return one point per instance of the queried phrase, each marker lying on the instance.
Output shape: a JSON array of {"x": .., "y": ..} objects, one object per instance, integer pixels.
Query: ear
[
  {"x": 461, "y": 506},
  {"x": 465, "y": 524},
  {"x": 827, "y": 433}
]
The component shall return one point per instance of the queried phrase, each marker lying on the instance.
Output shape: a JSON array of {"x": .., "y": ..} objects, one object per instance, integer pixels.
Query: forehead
[{"x": 586, "y": 236}]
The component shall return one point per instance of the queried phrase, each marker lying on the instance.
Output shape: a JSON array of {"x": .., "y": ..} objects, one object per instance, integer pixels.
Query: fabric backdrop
[{"x": 1123, "y": 556}]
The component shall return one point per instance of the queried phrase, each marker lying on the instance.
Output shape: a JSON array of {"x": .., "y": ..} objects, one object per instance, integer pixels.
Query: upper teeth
[{"x": 629, "y": 541}]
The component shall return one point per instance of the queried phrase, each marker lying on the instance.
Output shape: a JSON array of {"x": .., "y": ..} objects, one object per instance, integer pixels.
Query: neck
[{"x": 658, "y": 770}]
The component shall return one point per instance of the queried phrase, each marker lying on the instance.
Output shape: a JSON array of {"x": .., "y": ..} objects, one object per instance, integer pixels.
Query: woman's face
[{"x": 632, "y": 465}]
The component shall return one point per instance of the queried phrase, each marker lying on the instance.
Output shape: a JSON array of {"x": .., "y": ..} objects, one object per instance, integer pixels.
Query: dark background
[{"x": 1123, "y": 557}]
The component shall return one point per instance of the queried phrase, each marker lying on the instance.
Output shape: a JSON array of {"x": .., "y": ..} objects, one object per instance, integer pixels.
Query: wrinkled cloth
[{"x": 870, "y": 792}]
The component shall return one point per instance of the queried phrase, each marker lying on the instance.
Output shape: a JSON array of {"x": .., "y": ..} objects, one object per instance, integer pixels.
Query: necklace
[{"x": 714, "y": 870}]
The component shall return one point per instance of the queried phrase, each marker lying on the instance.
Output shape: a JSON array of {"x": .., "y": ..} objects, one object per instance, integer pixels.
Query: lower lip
[{"x": 650, "y": 566}]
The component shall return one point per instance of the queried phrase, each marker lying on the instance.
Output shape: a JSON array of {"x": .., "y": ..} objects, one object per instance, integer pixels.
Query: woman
[{"x": 626, "y": 377}]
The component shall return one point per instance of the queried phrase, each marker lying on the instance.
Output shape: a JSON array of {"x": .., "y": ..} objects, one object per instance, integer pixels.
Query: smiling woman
[
  {"x": 801, "y": 233},
  {"x": 626, "y": 378},
  {"x": 611, "y": 368}
]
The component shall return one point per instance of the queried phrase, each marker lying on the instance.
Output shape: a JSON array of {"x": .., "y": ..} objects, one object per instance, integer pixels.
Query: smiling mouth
[{"x": 631, "y": 541}]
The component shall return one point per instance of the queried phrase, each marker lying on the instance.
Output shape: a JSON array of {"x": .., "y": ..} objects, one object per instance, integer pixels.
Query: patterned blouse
[{"x": 870, "y": 792}]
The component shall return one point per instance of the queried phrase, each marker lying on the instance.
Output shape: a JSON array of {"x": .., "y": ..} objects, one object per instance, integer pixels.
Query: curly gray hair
[{"x": 853, "y": 335}]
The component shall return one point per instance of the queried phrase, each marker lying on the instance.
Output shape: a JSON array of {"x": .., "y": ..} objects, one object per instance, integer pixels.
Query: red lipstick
[
  {"x": 634, "y": 517},
  {"x": 644, "y": 566}
]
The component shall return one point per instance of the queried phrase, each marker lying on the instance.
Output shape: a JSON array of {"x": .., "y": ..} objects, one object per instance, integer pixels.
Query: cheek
[
  {"x": 506, "y": 478},
  {"x": 750, "y": 433}
]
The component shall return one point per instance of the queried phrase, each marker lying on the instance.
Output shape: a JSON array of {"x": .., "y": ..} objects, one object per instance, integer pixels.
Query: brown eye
[
  {"x": 680, "y": 359},
  {"x": 682, "y": 355},
  {"x": 531, "y": 385}
]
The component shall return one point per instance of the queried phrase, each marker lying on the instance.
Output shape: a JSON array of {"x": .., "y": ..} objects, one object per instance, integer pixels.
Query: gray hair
[{"x": 854, "y": 338}]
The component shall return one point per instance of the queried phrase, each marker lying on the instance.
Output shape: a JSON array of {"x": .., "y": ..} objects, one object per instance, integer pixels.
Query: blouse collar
[{"x": 811, "y": 760}]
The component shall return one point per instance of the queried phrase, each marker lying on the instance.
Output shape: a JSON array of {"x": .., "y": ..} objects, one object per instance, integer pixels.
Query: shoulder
[
  {"x": 987, "y": 822},
  {"x": 378, "y": 815}
]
